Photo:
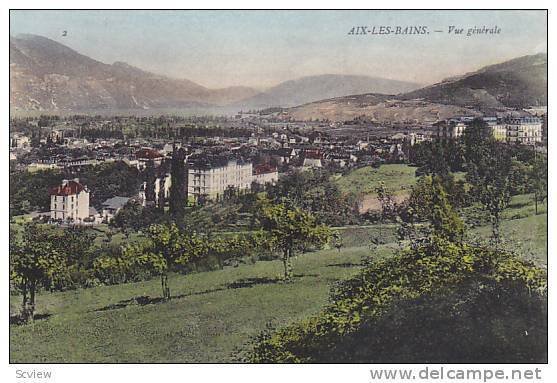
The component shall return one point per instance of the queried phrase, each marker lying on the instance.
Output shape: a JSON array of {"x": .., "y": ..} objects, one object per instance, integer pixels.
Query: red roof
[
  {"x": 313, "y": 154},
  {"x": 264, "y": 168},
  {"x": 148, "y": 154},
  {"x": 72, "y": 187}
]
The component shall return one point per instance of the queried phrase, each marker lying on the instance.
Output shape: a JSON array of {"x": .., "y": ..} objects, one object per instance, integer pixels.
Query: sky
[{"x": 263, "y": 48}]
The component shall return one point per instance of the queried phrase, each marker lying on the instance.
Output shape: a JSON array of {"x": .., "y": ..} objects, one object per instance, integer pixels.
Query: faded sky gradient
[{"x": 263, "y": 48}]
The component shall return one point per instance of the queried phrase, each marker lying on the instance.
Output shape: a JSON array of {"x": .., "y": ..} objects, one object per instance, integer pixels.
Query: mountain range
[
  {"x": 46, "y": 75},
  {"x": 513, "y": 84},
  {"x": 313, "y": 88}
]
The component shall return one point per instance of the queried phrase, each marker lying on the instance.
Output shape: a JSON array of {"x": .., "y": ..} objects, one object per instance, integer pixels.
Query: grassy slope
[
  {"x": 398, "y": 177},
  {"x": 522, "y": 230},
  {"x": 213, "y": 313}
]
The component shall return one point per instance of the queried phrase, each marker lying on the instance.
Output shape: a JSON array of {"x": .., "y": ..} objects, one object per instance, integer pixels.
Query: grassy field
[
  {"x": 398, "y": 177},
  {"x": 522, "y": 230},
  {"x": 212, "y": 315}
]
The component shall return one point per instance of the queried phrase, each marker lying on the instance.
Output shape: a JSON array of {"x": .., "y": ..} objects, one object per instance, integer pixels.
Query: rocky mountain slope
[
  {"x": 517, "y": 83},
  {"x": 46, "y": 75}
]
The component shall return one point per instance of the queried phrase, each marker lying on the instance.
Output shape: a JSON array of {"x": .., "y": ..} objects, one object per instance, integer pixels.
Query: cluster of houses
[
  {"x": 215, "y": 165},
  {"x": 206, "y": 180},
  {"x": 209, "y": 177}
]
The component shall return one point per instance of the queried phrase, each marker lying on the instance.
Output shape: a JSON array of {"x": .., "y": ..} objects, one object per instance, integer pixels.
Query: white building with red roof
[{"x": 69, "y": 201}]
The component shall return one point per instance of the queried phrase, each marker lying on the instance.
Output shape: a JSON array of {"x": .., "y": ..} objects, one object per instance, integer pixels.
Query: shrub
[{"x": 437, "y": 270}]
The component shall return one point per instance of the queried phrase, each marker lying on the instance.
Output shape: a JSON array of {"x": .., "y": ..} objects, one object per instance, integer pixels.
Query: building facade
[
  {"x": 146, "y": 155},
  {"x": 454, "y": 129},
  {"x": 69, "y": 202},
  {"x": 524, "y": 130},
  {"x": 211, "y": 180},
  {"x": 162, "y": 185}
]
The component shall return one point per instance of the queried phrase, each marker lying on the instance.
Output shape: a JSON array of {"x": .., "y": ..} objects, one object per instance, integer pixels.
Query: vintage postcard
[{"x": 279, "y": 186}]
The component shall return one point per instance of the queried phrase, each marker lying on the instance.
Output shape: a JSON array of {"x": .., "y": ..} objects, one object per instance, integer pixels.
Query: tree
[
  {"x": 170, "y": 247},
  {"x": 76, "y": 245},
  {"x": 520, "y": 177},
  {"x": 430, "y": 202},
  {"x": 236, "y": 246},
  {"x": 489, "y": 174},
  {"x": 420, "y": 199},
  {"x": 129, "y": 216},
  {"x": 477, "y": 138},
  {"x": 538, "y": 178},
  {"x": 35, "y": 261},
  {"x": 466, "y": 283},
  {"x": 150, "y": 178},
  {"x": 178, "y": 187},
  {"x": 437, "y": 157},
  {"x": 315, "y": 192},
  {"x": 386, "y": 199},
  {"x": 161, "y": 198},
  {"x": 438, "y": 162},
  {"x": 110, "y": 179},
  {"x": 445, "y": 221},
  {"x": 289, "y": 229}
]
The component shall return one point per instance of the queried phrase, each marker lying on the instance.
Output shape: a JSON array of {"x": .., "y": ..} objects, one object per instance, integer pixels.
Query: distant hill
[
  {"x": 516, "y": 83},
  {"x": 47, "y": 75},
  {"x": 379, "y": 109},
  {"x": 313, "y": 88}
]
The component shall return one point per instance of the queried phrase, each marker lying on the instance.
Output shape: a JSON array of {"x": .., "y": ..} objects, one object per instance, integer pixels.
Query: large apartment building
[
  {"x": 69, "y": 201},
  {"x": 522, "y": 130},
  {"x": 211, "y": 179}
]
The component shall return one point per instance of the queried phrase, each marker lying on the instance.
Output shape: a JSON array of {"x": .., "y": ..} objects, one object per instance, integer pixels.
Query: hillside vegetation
[{"x": 213, "y": 315}]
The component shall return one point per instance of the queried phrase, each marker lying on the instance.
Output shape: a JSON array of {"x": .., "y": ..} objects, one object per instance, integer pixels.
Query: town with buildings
[{"x": 214, "y": 164}]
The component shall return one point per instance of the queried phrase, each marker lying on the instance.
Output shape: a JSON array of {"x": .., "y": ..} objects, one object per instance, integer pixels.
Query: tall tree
[
  {"x": 179, "y": 183},
  {"x": 161, "y": 197},
  {"x": 445, "y": 221},
  {"x": 429, "y": 201},
  {"x": 387, "y": 201},
  {"x": 477, "y": 138},
  {"x": 489, "y": 175},
  {"x": 170, "y": 247},
  {"x": 150, "y": 176}
]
